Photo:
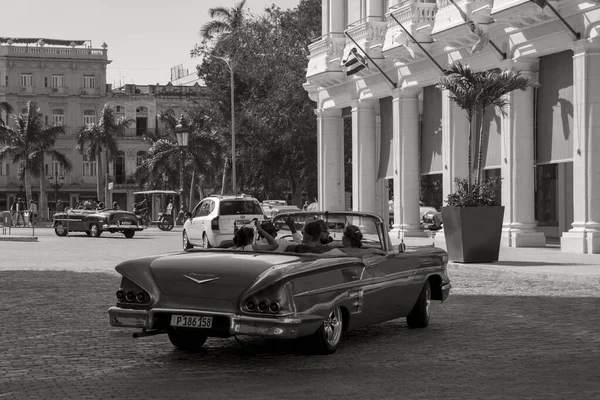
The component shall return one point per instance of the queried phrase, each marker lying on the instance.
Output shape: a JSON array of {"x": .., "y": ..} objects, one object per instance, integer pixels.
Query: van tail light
[{"x": 214, "y": 224}]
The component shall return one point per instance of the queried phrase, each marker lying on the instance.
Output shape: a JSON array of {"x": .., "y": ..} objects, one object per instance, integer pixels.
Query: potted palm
[{"x": 473, "y": 214}]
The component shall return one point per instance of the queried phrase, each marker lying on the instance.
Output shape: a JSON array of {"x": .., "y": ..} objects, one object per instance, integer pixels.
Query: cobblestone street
[{"x": 497, "y": 337}]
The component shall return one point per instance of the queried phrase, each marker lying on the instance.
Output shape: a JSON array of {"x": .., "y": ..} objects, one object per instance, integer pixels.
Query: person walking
[
  {"x": 19, "y": 211},
  {"x": 33, "y": 210}
]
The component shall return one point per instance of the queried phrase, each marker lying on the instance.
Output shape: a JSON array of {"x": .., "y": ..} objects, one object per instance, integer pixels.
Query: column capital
[
  {"x": 328, "y": 112},
  {"x": 364, "y": 104},
  {"x": 524, "y": 64},
  {"x": 406, "y": 93},
  {"x": 586, "y": 46}
]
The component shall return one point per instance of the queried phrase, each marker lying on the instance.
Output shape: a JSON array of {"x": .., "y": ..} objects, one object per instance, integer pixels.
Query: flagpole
[
  {"x": 418, "y": 44},
  {"x": 564, "y": 22},
  {"x": 370, "y": 59}
]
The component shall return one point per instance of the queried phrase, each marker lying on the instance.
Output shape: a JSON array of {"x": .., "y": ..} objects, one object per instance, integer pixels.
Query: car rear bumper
[
  {"x": 282, "y": 327},
  {"x": 123, "y": 227}
]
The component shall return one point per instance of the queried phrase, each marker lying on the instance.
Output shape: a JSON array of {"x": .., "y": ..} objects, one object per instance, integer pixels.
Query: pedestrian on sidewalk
[
  {"x": 19, "y": 207},
  {"x": 32, "y": 212}
]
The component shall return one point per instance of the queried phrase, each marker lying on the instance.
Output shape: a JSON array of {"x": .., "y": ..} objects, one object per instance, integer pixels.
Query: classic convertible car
[
  {"x": 94, "y": 222},
  {"x": 194, "y": 295}
]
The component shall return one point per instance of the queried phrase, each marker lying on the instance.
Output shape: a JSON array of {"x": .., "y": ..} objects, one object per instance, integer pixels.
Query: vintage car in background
[
  {"x": 426, "y": 217},
  {"x": 192, "y": 296},
  {"x": 272, "y": 211},
  {"x": 94, "y": 222}
]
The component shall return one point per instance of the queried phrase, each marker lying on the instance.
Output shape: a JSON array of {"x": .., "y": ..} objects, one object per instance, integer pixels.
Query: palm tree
[
  {"x": 224, "y": 20},
  {"x": 475, "y": 92},
  {"x": 97, "y": 139},
  {"x": 7, "y": 108},
  {"x": 28, "y": 143}
]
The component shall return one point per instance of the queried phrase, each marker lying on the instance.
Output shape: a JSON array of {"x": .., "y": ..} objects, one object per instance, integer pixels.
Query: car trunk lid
[{"x": 218, "y": 275}]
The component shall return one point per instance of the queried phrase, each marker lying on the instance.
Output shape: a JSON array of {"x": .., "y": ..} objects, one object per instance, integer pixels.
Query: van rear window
[{"x": 240, "y": 207}]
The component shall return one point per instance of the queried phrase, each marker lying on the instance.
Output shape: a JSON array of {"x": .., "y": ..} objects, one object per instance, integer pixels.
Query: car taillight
[
  {"x": 130, "y": 292},
  {"x": 214, "y": 224},
  {"x": 276, "y": 301}
]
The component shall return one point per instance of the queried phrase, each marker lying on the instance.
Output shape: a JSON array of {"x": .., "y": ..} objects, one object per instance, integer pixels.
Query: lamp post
[
  {"x": 182, "y": 131},
  {"x": 56, "y": 182},
  {"x": 233, "y": 177}
]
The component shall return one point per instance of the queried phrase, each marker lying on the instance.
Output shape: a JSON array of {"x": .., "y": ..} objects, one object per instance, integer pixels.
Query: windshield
[
  {"x": 240, "y": 207},
  {"x": 371, "y": 227}
]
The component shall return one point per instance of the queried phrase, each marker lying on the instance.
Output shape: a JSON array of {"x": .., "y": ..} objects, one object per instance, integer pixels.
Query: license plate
[
  {"x": 125, "y": 223},
  {"x": 188, "y": 321},
  {"x": 241, "y": 222}
]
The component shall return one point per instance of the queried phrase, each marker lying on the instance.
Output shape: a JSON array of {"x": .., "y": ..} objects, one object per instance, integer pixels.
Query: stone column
[
  {"x": 517, "y": 157},
  {"x": 455, "y": 131},
  {"x": 375, "y": 9},
  {"x": 330, "y": 159},
  {"x": 584, "y": 237},
  {"x": 406, "y": 163},
  {"x": 336, "y": 16},
  {"x": 364, "y": 166}
]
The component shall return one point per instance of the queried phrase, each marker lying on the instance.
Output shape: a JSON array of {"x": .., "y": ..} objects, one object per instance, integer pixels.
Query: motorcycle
[{"x": 165, "y": 221}]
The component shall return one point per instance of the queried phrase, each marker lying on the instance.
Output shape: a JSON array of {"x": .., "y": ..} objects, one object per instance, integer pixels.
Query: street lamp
[
  {"x": 182, "y": 131},
  {"x": 233, "y": 179},
  {"x": 56, "y": 182}
]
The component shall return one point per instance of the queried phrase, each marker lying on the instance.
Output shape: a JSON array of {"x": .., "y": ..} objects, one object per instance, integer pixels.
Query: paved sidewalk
[
  {"x": 544, "y": 263},
  {"x": 547, "y": 263}
]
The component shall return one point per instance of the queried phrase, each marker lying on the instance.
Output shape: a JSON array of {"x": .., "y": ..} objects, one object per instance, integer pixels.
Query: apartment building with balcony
[
  {"x": 404, "y": 130},
  {"x": 67, "y": 81}
]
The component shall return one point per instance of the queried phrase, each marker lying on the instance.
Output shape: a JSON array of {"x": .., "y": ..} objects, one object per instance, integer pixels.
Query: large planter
[{"x": 473, "y": 233}]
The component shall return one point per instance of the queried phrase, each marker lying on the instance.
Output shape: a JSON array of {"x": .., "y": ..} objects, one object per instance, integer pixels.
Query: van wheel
[
  {"x": 186, "y": 242},
  {"x": 205, "y": 242}
]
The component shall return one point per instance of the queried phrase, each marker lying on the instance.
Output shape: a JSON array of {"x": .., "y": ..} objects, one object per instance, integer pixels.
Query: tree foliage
[
  {"x": 274, "y": 118},
  {"x": 476, "y": 92}
]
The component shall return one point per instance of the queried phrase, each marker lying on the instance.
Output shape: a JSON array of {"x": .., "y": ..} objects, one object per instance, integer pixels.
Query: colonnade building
[{"x": 404, "y": 130}]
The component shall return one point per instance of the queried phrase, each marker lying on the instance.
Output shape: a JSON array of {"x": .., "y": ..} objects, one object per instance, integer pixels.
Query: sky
[{"x": 145, "y": 38}]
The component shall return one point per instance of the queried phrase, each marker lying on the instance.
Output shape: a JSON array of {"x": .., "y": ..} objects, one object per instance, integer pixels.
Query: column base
[
  {"x": 407, "y": 232},
  {"x": 512, "y": 238},
  {"x": 581, "y": 242}
]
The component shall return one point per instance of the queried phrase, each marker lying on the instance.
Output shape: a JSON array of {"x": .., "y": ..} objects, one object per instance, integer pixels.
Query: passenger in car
[
  {"x": 270, "y": 228},
  {"x": 352, "y": 241},
  {"x": 244, "y": 236},
  {"x": 311, "y": 240}
]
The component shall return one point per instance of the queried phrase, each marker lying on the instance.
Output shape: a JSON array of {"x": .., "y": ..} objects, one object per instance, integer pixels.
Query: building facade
[
  {"x": 67, "y": 81},
  {"x": 404, "y": 130}
]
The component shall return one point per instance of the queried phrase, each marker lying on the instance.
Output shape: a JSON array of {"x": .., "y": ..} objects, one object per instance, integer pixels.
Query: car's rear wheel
[
  {"x": 95, "y": 230},
  {"x": 326, "y": 340},
  {"x": 186, "y": 242},
  {"x": 60, "y": 230},
  {"x": 129, "y": 234},
  {"x": 187, "y": 340},
  {"x": 205, "y": 242},
  {"x": 420, "y": 313}
]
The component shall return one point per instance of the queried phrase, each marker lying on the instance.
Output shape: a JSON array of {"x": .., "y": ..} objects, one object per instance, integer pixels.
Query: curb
[
  {"x": 557, "y": 277},
  {"x": 18, "y": 239}
]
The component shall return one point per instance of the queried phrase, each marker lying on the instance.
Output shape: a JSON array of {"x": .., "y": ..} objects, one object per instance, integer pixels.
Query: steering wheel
[{"x": 286, "y": 236}]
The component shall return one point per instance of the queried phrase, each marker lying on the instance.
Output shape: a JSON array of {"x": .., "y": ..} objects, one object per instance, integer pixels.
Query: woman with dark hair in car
[
  {"x": 352, "y": 237},
  {"x": 244, "y": 237}
]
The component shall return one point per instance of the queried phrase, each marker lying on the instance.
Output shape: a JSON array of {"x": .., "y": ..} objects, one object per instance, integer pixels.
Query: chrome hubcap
[
  {"x": 333, "y": 327},
  {"x": 60, "y": 229},
  {"x": 185, "y": 240},
  {"x": 94, "y": 229}
]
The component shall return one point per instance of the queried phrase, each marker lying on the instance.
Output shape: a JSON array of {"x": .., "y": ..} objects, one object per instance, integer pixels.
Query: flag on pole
[
  {"x": 354, "y": 62},
  {"x": 483, "y": 36},
  {"x": 541, "y": 3}
]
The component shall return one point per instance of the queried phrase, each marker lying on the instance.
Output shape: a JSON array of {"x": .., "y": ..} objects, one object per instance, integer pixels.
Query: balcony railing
[
  {"x": 58, "y": 90},
  {"x": 90, "y": 92},
  {"x": 53, "y": 52}
]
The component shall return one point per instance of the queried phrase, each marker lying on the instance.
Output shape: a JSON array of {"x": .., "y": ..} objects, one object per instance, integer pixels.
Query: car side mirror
[{"x": 187, "y": 215}]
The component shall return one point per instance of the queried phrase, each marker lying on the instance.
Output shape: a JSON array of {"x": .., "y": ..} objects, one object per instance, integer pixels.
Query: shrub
[{"x": 484, "y": 193}]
